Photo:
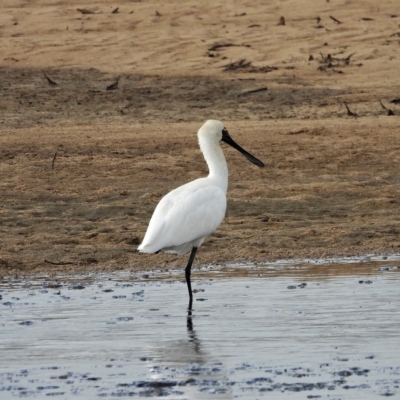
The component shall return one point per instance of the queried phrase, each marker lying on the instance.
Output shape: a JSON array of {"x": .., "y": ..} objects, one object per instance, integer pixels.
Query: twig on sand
[
  {"x": 333, "y": 62},
  {"x": 336, "y": 20},
  {"x": 219, "y": 46},
  {"x": 281, "y": 21},
  {"x": 58, "y": 262},
  {"x": 252, "y": 91},
  {"x": 54, "y": 160},
  {"x": 390, "y": 112},
  {"x": 233, "y": 66},
  {"x": 114, "y": 85},
  {"x": 85, "y": 11},
  {"x": 349, "y": 112},
  {"x": 347, "y": 59},
  {"x": 50, "y": 81},
  {"x": 245, "y": 65}
]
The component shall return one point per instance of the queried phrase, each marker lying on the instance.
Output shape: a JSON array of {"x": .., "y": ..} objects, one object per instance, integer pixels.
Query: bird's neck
[{"x": 216, "y": 162}]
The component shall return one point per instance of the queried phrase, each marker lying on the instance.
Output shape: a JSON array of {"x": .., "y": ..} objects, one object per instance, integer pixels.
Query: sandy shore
[{"x": 83, "y": 167}]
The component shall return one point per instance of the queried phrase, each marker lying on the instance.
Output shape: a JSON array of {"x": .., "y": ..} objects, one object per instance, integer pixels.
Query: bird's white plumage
[
  {"x": 184, "y": 217},
  {"x": 188, "y": 214}
]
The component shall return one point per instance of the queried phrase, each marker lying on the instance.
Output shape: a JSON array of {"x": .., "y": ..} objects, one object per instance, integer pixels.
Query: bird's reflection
[
  {"x": 185, "y": 349},
  {"x": 191, "y": 332}
]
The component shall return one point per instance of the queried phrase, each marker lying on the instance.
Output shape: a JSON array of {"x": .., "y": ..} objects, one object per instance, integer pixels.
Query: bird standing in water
[{"x": 187, "y": 215}]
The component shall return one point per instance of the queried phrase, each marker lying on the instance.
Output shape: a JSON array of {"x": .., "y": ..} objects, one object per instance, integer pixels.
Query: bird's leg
[{"x": 187, "y": 275}]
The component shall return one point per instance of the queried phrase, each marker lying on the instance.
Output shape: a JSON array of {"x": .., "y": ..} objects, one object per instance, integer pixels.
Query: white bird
[{"x": 187, "y": 215}]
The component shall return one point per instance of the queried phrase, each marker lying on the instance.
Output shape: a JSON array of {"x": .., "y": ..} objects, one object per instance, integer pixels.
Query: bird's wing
[{"x": 187, "y": 213}]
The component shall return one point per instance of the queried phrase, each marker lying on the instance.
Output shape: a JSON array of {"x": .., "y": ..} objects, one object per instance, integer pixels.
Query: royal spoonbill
[{"x": 187, "y": 215}]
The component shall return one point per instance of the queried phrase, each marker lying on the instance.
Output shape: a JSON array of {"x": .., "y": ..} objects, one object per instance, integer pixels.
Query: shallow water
[{"x": 286, "y": 330}]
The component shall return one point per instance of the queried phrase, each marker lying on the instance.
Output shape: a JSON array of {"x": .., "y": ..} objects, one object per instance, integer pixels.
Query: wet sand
[
  {"x": 82, "y": 167},
  {"x": 322, "y": 193},
  {"x": 254, "y": 334}
]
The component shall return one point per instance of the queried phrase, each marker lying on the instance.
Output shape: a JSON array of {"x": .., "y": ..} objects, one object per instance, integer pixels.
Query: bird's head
[{"x": 214, "y": 131}]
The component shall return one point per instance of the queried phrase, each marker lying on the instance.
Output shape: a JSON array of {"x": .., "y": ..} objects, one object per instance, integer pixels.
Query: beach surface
[{"x": 83, "y": 163}]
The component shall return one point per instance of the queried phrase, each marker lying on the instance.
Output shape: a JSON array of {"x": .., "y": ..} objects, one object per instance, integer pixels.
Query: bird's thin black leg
[{"x": 187, "y": 275}]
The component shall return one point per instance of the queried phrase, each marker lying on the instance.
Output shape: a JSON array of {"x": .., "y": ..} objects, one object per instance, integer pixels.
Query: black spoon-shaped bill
[{"x": 227, "y": 139}]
